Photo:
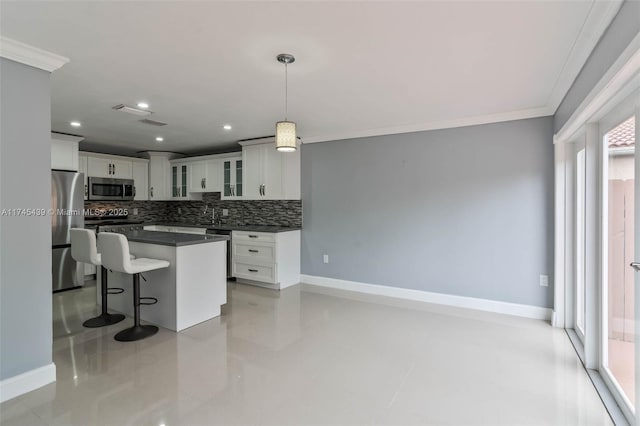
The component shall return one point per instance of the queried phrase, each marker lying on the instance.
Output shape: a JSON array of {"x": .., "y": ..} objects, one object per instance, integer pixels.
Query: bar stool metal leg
[
  {"x": 137, "y": 332},
  {"x": 105, "y": 318}
]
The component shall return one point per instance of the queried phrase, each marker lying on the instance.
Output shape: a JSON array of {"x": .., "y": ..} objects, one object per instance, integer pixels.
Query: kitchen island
[{"x": 190, "y": 291}]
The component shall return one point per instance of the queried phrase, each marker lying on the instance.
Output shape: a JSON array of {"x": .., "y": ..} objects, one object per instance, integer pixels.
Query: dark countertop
[
  {"x": 173, "y": 239},
  {"x": 248, "y": 228}
]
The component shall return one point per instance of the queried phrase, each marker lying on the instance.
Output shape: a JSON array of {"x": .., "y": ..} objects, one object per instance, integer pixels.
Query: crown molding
[
  {"x": 434, "y": 125},
  {"x": 30, "y": 55},
  {"x": 620, "y": 80},
  {"x": 598, "y": 19},
  {"x": 66, "y": 137}
]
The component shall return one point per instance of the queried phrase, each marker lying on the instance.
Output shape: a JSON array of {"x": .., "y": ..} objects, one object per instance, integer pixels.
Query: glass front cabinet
[
  {"x": 179, "y": 180},
  {"x": 232, "y": 178}
]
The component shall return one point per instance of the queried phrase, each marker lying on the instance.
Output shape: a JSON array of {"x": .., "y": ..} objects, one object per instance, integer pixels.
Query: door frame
[
  {"x": 606, "y": 123},
  {"x": 617, "y": 84}
]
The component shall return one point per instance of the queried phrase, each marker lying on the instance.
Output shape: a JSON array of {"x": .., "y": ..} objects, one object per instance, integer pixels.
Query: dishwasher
[{"x": 224, "y": 233}]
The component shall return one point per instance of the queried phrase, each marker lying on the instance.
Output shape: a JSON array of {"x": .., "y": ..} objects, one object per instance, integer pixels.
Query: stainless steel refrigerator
[{"x": 67, "y": 204}]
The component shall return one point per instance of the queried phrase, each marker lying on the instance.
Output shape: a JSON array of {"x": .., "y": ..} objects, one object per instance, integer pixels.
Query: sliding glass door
[
  {"x": 620, "y": 235},
  {"x": 579, "y": 240}
]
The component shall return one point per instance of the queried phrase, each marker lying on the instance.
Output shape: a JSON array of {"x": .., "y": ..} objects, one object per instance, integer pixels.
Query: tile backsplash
[{"x": 247, "y": 212}]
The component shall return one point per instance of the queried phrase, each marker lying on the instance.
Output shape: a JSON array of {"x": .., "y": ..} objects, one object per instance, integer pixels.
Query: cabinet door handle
[
  {"x": 109, "y": 168},
  {"x": 253, "y": 236},
  {"x": 252, "y": 270},
  {"x": 114, "y": 169},
  {"x": 134, "y": 191},
  {"x": 151, "y": 192},
  {"x": 205, "y": 183},
  {"x": 264, "y": 189},
  {"x": 253, "y": 251}
]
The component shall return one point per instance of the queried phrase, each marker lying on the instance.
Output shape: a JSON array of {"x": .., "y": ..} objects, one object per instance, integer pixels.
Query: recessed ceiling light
[
  {"x": 227, "y": 127},
  {"x": 143, "y": 105},
  {"x": 75, "y": 124},
  {"x": 159, "y": 139}
]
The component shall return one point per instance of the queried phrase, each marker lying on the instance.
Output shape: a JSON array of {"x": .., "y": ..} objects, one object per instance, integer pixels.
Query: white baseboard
[
  {"x": 526, "y": 311},
  {"x": 26, "y": 382}
]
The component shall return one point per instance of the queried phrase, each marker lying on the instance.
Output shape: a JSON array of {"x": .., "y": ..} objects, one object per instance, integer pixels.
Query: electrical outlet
[
  {"x": 325, "y": 258},
  {"x": 225, "y": 212},
  {"x": 135, "y": 211},
  {"x": 544, "y": 280},
  {"x": 179, "y": 210}
]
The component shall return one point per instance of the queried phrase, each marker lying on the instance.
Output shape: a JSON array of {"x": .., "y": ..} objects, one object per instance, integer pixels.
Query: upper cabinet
[
  {"x": 205, "y": 176},
  {"x": 116, "y": 167},
  {"x": 140, "y": 170},
  {"x": 64, "y": 152},
  {"x": 269, "y": 174},
  {"x": 232, "y": 178},
  {"x": 179, "y": 180},
  {"x": 109, "y": 167},
  {"x": 159, "y": 168}
]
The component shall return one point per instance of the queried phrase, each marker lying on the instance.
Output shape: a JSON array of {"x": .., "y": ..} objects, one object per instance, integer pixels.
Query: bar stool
[
  {"x": 84, "y": 249},
  {"x": 115, "y": 256}
]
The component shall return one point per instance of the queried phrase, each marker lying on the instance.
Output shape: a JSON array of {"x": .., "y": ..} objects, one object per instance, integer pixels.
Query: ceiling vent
[
  {"x": 152, "y": 122},
  {"x": 131, "y": 110}
]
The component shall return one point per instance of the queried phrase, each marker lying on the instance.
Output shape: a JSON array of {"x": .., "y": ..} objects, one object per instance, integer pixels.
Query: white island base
[{"x": 190, "y": 291}]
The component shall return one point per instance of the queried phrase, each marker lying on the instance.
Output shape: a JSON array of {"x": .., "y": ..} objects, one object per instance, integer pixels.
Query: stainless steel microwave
[{"x": 110, "y": 189}]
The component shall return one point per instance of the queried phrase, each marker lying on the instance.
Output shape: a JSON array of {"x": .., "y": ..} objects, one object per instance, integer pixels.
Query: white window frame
[{"x": 618, "y": 83}]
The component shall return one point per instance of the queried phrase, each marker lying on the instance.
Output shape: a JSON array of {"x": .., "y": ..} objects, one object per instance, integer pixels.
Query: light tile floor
[{"x": 308, "y": 355}]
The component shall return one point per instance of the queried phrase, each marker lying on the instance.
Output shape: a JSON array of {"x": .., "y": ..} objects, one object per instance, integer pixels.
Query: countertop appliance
[
  {"x": 67, "y": 192},
  {"x": 227, "y": 233},
  {"x": 109, "y": 189}
]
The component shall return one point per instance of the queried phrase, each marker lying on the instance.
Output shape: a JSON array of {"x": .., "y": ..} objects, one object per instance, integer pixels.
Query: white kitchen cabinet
[
  {"x": 82, "y": 168},
  {"x": 64, "y": 152},
  {"x": 179, "y": 180},
  {"x": 159, "y": 168},
  {"x": 204, "y": 176},
  {"x": 232, "y": 178},
  {"x": 109, "y": 167},
  {"x": 140, "y": 174},
  {"x": 270, "y": 174},
  {"x": 266, "y": 259}
]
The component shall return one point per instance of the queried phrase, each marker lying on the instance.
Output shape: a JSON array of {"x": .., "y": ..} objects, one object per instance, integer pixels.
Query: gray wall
[
  {"x": 466, "y": 211},
  {"x": 25, "y": 242},
  {"x": 624, "y": 27}
]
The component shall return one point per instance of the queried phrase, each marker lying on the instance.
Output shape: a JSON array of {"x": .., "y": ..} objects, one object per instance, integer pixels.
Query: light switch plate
[{"x": 225, "y": 212}]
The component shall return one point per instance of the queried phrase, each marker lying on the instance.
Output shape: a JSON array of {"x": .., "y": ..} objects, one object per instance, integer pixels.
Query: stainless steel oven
[{"x": 110, "y": 189}]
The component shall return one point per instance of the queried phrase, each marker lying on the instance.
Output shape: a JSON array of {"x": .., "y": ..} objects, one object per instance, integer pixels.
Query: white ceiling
[{"x": 361, "y": 68}]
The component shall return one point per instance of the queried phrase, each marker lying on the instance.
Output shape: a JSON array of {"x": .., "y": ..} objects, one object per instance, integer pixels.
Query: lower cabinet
[
  {"x": 89, "y": 269},
  {"x": 266, "y": 259}
]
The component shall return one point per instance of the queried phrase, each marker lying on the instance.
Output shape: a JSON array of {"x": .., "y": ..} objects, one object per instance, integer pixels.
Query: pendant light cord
[{"x": 286, "y": 92}]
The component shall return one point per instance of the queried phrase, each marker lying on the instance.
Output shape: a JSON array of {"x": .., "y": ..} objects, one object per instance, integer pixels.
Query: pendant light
[{"x": 286, "y": 130}]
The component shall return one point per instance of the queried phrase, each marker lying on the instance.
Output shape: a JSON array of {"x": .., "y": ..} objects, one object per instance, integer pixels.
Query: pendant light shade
[
  {"x": 286, "y": 140},
  {"x": 286, "y": 136}
]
